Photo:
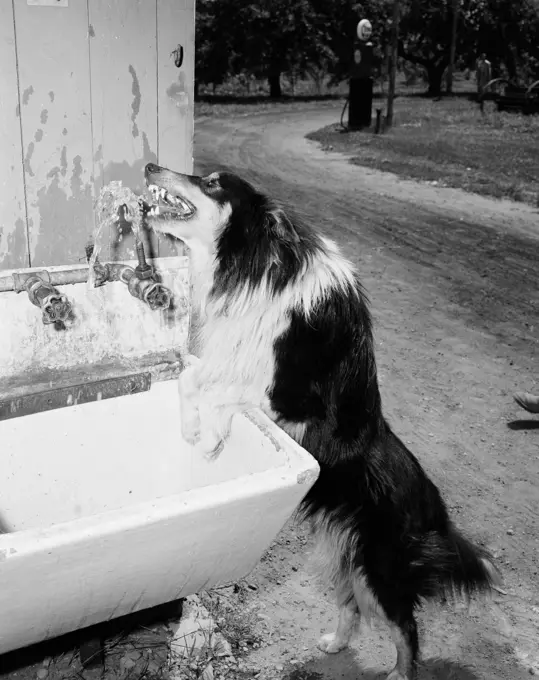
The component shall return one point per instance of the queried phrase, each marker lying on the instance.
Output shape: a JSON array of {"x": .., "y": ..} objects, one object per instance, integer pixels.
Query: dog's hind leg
[
  {"x": 404, "y": 636},
  {"x": 349, "y": 618}
]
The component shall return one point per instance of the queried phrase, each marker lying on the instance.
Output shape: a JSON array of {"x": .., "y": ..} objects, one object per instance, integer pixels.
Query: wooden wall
[{"x": 89, "y": 93}]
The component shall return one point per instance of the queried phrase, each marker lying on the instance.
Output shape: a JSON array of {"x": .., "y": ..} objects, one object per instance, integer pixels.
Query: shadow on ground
[
  {"x": 527, "y": 424},
  {"x": 346, "y": 666},
  {"x": 264, "y": 99},
  {"x": 290, "y": 99}
]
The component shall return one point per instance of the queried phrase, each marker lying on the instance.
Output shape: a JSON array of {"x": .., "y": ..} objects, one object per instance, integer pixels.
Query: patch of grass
[
  {"x": 223, "y": 107},
  {"x": 236, "y": 618},
  {"x": 449, "y": 141}
]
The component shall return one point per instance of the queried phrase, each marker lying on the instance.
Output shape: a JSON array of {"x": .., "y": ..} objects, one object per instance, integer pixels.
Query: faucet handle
[{"x": 56, "y": 308}]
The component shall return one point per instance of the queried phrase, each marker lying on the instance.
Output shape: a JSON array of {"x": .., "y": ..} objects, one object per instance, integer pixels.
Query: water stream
[{"x": 113, "y": 198}]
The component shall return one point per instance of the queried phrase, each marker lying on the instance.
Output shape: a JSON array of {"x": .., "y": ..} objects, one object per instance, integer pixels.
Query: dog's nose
[{"x": 152, "y": 169}]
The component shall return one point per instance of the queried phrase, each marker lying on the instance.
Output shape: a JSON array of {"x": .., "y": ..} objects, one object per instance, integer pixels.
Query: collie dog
[{"x": 285, "y": 327}]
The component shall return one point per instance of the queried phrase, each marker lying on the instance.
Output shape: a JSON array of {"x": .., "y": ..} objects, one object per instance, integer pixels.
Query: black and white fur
[{"x": 286, "y": 327}]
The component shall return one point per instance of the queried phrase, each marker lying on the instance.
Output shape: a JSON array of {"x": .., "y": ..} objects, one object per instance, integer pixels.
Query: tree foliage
[{"x": 269, "y": 38}]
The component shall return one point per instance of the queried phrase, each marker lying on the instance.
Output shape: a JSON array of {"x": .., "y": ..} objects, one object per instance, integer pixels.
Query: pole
[
  {"x": 453, "y": 52},
  {"x": 394, "y": 58}
]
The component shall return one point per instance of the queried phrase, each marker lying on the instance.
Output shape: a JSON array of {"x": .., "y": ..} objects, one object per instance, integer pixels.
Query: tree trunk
[
  {"x": 435, "y": 74},
  {"x": 274, "y": 80},
  {"x": 394, "y": 56},
  {"x": 453, "y": 50}
]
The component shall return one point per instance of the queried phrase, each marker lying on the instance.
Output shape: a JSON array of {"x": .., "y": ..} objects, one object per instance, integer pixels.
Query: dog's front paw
[
  {"x": 191, "y": 427},
  {"x": 330, "y": 644},
  {"x": 210, "y": 444}
]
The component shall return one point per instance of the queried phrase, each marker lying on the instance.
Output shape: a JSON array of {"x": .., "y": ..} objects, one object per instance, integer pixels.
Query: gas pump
[{"x": 361, "y": 82}]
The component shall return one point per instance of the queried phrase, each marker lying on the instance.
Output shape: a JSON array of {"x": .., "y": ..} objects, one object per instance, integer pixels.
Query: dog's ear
[{"x": 281, "y": 226}]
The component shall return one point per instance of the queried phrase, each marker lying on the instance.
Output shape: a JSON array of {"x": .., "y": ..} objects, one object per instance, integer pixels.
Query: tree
[
  {"x": 506, "y": 30},
  {"x": 267, "y": 38},
  {"x": 214, "y": 42},
  {"x": 426, "y": 29},
  {"x": 283, "y": 36}
]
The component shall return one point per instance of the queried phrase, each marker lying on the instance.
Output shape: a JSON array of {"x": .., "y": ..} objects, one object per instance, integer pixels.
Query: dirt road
[{"x": 454, "y": 284}]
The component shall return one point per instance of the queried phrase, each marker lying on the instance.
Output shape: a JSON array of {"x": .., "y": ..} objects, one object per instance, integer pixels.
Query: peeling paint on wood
[
  {"x": 176, "y": 85},
  {"x": 60, "y": 203},
  {"x": 103, "y": 99},
  {"x": 175, "y": 25},
  {"x": 123, "y": 66},
  {"x": 13, "y": 233}
]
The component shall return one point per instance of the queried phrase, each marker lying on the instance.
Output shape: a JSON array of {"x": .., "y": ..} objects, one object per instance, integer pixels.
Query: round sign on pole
[{"x": 364, "y": 30}]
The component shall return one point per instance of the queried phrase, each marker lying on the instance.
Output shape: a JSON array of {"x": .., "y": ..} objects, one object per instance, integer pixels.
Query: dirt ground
[{"x": 454, "y": 284}]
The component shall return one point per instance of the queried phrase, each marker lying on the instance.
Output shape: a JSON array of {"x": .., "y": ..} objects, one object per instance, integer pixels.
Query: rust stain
[
  {"x": 64, "y": 132},
  {"x": 44, "y": 117},
  {"x": 17, "y": 111},
  {"x": 38, "y": 135},
  {"x": 28, "y": 158},
  {"x": 98, "y": 156},
  {"x": 63, "y": 161},
  {"x": 51, "y": 96},
  {"x": 27, "y": 94},
  {"x": 91, "y": 32},
  {"x": 62, "y": 207},
  {"x": 53, "y": 172},
  {"x": 135, "y": 106}
]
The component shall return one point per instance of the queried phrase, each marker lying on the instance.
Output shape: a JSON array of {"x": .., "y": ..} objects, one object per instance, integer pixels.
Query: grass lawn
[{"x": 452, "y": 143}]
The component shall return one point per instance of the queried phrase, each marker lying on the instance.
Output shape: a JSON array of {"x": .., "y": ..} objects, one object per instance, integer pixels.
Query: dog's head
[
  {"x": 186, "y": 207},
  {"x": 225, "y": 214}
]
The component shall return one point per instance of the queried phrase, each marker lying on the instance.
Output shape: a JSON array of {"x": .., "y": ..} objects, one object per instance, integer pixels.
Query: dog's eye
[{"x": 212, "y": 183}]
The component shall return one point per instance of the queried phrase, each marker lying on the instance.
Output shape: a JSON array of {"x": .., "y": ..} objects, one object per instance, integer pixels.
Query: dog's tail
[{"x": 452, "y": 565}]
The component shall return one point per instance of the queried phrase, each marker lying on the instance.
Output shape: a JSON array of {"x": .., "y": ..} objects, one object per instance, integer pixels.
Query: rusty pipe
[
  {"x": 149, "y": 290},
  {"x": 65, "y": 278}
]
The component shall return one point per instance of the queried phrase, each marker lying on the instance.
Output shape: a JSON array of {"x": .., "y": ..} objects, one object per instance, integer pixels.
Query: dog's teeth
[{"x": 154, "y": 210}]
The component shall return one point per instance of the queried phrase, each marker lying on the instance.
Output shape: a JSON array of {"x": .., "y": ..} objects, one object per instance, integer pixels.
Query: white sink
[{"x": 107, "y": 511}]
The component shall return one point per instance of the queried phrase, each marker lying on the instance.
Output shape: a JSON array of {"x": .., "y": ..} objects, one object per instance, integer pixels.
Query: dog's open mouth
[{"x": 165, "y": 204}]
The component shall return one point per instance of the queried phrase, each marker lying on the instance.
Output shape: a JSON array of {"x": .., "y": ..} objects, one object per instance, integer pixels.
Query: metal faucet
[
  {"x": 55, "y": 307},
  {"x": 142, "y": 281}
]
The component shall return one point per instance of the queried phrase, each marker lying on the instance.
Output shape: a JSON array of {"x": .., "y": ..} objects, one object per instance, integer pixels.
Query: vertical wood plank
[
  {"x": 13, "y": 227},
  {"x": 175, "y": 26},
  {"x": 123, "y": 58},
  {"x": 52, "y": 45}
]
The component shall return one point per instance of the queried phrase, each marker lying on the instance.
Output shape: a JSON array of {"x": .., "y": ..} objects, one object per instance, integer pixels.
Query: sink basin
[{"x": 105, "y": 510}]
